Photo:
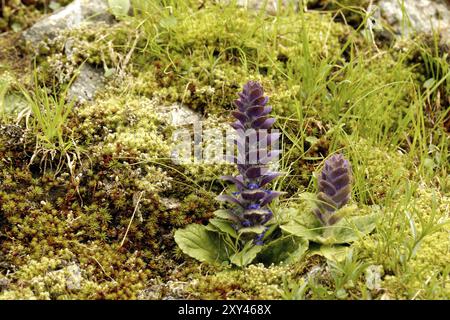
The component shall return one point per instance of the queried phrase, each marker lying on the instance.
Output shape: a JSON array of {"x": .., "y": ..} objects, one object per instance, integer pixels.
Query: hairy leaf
[
  {"x": 223, "y": 226},
  {"x": 199, "y": 243}
]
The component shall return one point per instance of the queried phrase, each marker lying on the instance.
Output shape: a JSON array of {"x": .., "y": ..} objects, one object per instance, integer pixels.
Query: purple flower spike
[
  {"x": 252, "y": 125},
  {"x": 334, "y": 188}
]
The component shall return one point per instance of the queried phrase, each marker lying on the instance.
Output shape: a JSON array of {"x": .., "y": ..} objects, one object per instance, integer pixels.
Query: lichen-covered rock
[
  {"x": 179, "y": 115},
  {"x": 48, "y": 278}
]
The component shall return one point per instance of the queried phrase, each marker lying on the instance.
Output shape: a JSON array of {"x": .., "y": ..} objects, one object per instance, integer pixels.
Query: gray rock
[
  {"x": 424, "y": 16},
  {"x": 178, "y": 115},
  {"x": 186, "y": 122},
  {"x": 88, "y": 81},
  {"x": 4, "y": 283},
  {"x": 181, "y": 115},
  {"x": 58, "y": 281},
  {"x": 373, "y": 274},
  {"x": 73, "y": 277},
  {"x": 72, "y": 16}
]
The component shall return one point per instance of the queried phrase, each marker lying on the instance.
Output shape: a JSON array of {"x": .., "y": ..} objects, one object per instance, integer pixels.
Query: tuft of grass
[{"x": 46, "y": 116}]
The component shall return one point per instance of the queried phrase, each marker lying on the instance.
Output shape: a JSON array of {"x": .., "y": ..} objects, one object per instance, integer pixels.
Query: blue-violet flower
[
  {"x": 334, "y": 188},
  {"x": 251, "y": 200}
]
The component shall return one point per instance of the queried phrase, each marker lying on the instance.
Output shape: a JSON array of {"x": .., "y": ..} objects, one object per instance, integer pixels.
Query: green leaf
[
  {"x": 212, "y": 228},
  {"x": 246, "y": 255},
  {"x": 199, "y": 243},
  {"x": 342, "y": 213},
  {"x": 345, "y": 231},
  {"x": 287, "y": 249},
  {"x": 109, "y": 72},
  {"x": 334, "y": 253},
  {"x": 353, "y": 228},
  {"x": 272, "y": 226},
  {"x": 119, "y": 8},
  {"x": 365, "y": 224},
  {"x": 16, "y": 27},
  {"x": 225, "y": 214},
  {"x": 303, "y": 232},
  {"x": 256, "y": 229},
  {"x": 224, "y": 226},
  {"x": 429, "y": 83},
  {"x": 312, "y": 140}
]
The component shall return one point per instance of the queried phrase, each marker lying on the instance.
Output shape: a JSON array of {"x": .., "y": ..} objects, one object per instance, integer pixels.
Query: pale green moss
[
  {"x": 418, "y": 256},
  {"x": 128, "y": 126},
  {"x": 50, "y": 278},
  {"x": 253, "y": 282},
  {"x": 376, "y": 169},
  {"x": 18, "y": 15},
  {"x": 200, "y": 59}
]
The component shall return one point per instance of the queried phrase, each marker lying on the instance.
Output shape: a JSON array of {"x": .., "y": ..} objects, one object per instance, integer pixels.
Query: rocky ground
[{"x": 90, "y": 199}]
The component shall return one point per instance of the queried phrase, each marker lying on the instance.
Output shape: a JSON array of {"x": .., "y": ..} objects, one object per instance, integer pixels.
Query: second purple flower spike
[{"x": 334, "y": 188}]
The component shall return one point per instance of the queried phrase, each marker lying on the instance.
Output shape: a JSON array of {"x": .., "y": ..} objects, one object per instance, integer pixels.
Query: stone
[
  {"x": 74, "y": 15},
  {"x": 373, "y": 274},
  {"x": 71, "y": 16},
  {"x": 179, "y": 115},
  {"x": 187, "y": 123},
  {"x": 73, "y": 277},
  {"x": 86, "y": 84},
  {"x": 4, "y": 282},
  {"x": 424, "y": 16}
]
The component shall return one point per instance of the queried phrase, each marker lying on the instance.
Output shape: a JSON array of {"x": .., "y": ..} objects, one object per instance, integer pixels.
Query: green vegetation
[
  {"x": 16, "y": 15},
  {"x": 90, "y": 199},
  {"x": 46, "y": 116}
]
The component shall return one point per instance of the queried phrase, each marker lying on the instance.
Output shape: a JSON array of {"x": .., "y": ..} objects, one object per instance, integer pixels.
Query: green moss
[
  {"x": 81, "y": 275},
  {"x": 376, "y": 169},
  {"x": 18, "y": 15},
  {"x": 128, "y": 126},
  {"x": 253, "y": 282},
  {"x": 62, "y": 235},
  {"x": 412, "y": 246},
  {"x": 222, "y": 56},
  {"x": 90, "y": 215}
]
